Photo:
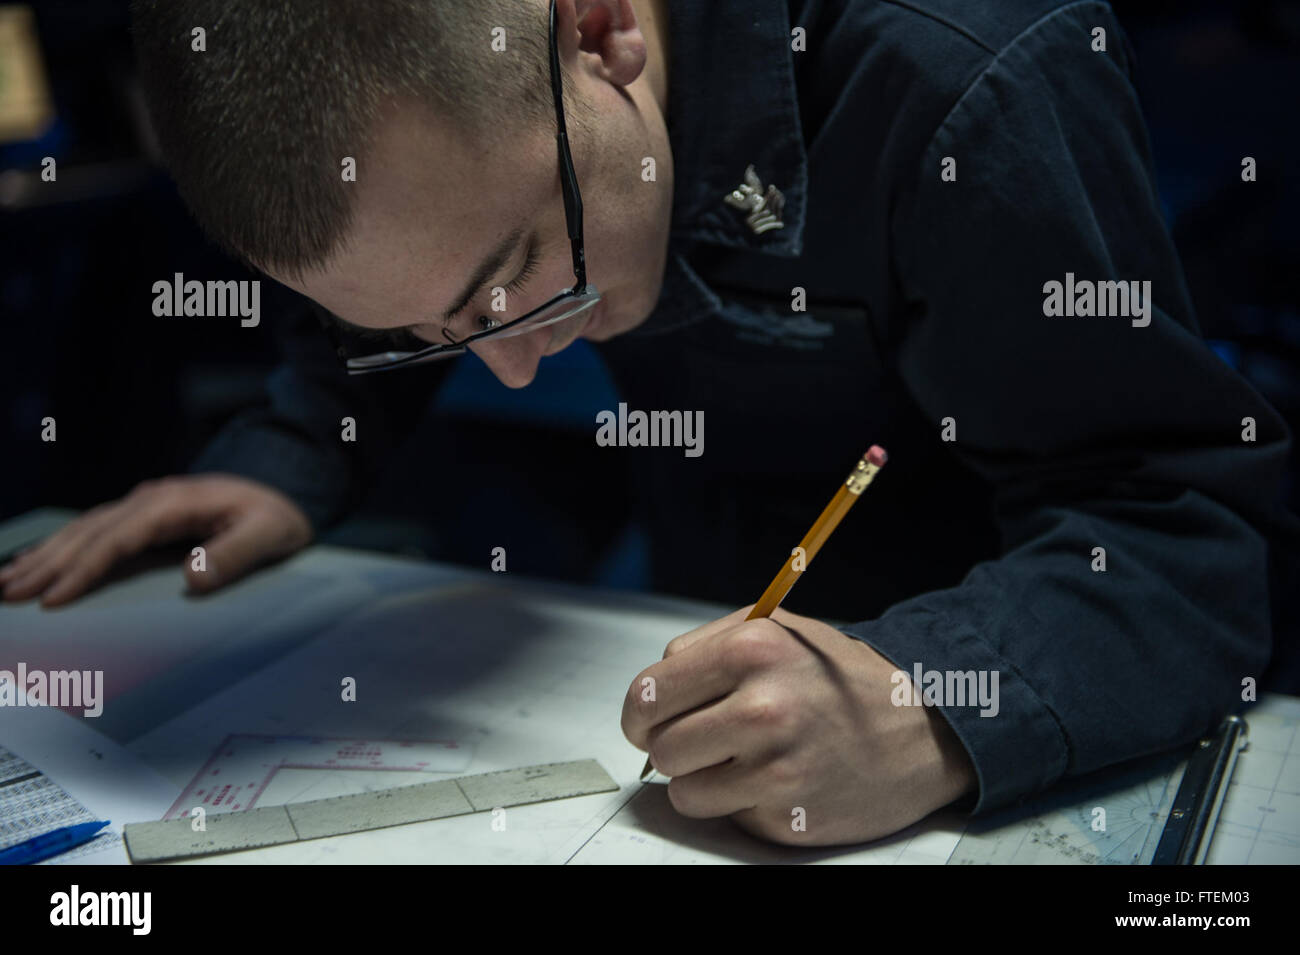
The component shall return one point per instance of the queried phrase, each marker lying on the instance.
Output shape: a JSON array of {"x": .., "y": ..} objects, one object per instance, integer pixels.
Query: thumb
[{"x": 248, "y": 541}]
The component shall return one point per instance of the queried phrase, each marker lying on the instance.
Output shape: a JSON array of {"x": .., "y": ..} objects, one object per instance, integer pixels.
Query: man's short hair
[{"x": 255, "y": 127}]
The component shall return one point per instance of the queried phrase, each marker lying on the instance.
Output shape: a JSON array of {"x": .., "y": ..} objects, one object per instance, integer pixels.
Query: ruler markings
[{"x": 338, "y": 815}]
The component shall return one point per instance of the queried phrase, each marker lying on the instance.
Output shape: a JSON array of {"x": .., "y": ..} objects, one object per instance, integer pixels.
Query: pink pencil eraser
[{"x": 877, "y": 456}]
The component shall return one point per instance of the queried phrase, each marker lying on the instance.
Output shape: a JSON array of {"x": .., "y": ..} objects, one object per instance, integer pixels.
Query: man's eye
[
  {"x": 525, "y": 273},
  {"x": 468, "y": 322}
]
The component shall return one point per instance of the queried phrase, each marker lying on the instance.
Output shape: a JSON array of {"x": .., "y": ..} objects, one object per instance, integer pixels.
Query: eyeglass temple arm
[
  {"x": 568, "y": 177},
  {"x": 573, "y": 212}
]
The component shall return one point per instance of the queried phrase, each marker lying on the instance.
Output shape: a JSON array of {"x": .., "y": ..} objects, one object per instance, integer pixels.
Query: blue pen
[{"x": 42, "y": 847}]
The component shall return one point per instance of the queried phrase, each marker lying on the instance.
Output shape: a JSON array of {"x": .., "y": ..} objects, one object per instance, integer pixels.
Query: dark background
[{"x": 136, "y": 397}]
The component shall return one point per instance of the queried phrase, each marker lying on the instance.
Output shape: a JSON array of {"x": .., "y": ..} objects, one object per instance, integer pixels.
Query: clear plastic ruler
[
  {"x": 1112, "y": 817},
  {"x": 244, "y": 766},
  {"x": 337, "y": 815}
]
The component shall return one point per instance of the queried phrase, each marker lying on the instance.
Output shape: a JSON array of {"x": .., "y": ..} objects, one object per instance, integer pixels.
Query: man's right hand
[{"x": 241, "y": 523}]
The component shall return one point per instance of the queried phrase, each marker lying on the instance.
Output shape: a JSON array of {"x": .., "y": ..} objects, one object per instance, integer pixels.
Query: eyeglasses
[{"x": 568, "y": 304}]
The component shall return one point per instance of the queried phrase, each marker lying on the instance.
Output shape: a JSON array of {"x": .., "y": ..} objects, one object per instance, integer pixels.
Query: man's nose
[{"x": 514, "y": 360}]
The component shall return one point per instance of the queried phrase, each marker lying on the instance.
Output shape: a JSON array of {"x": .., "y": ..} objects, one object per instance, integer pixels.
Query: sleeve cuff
[{"x": 1017, "y": 751}]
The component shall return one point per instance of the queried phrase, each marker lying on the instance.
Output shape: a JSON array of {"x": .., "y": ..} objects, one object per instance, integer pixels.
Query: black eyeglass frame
[{"x": 583, "y": 294}]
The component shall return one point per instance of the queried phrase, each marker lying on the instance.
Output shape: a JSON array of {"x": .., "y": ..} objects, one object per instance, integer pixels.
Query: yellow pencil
[{"x": 848, "y": 494}]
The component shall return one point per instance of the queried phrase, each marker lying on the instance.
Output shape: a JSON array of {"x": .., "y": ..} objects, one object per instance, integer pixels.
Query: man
[{"x": 949, "y": 243}]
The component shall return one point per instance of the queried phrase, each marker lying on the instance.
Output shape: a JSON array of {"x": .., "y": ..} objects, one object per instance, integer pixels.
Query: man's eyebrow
[{"x": 490, "y": 266}]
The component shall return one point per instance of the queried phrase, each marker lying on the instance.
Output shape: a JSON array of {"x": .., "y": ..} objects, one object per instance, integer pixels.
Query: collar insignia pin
[{"x": 764, "y": 208}]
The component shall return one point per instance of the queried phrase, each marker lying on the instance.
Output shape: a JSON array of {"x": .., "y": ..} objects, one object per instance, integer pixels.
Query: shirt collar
[{"x": 731, "y": 104}]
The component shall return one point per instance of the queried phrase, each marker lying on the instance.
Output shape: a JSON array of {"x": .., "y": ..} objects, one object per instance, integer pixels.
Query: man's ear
[{"x": 607, "y": 28}]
